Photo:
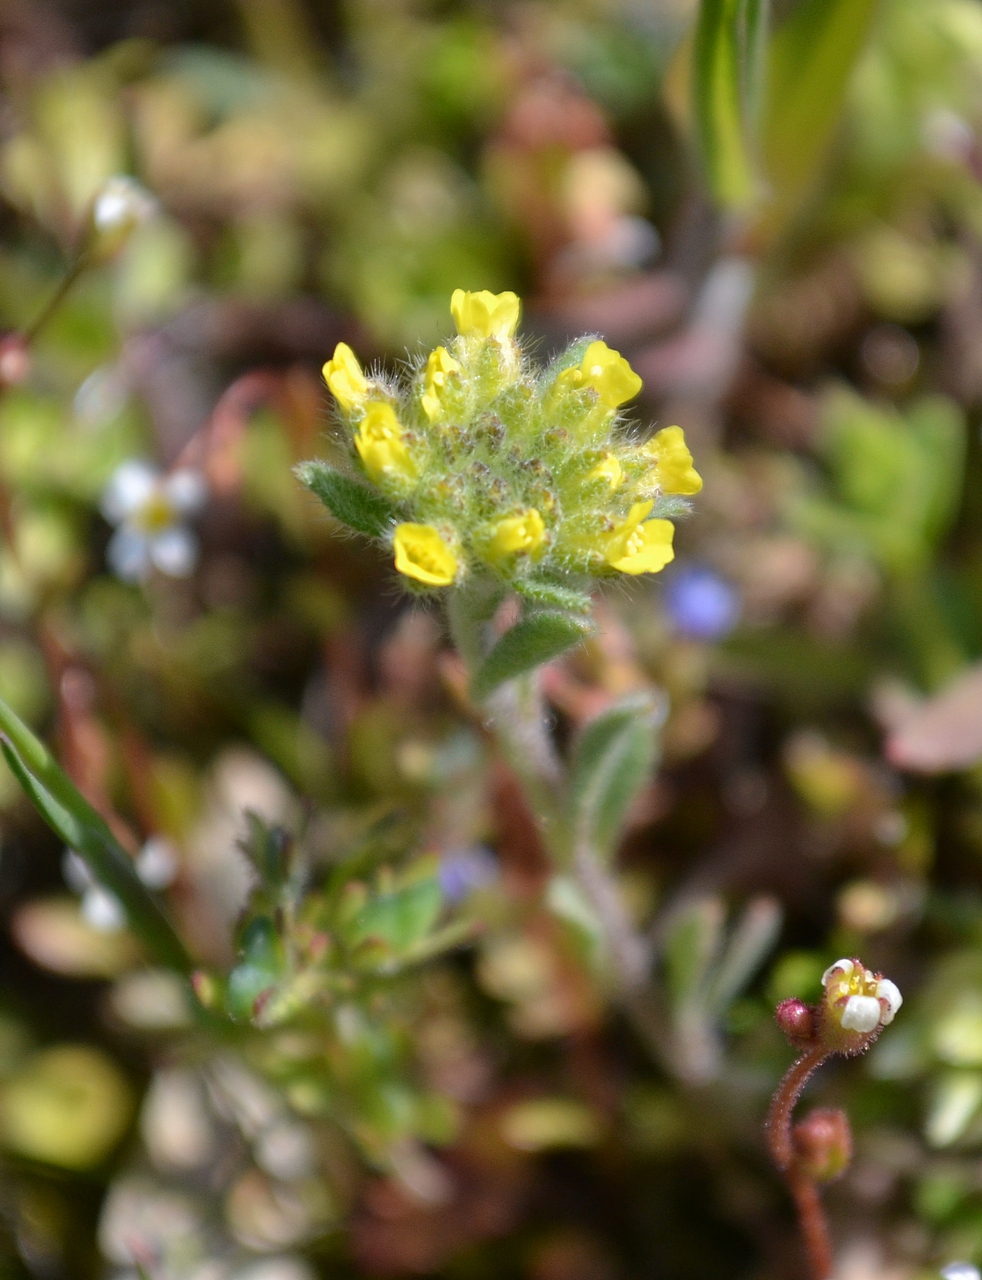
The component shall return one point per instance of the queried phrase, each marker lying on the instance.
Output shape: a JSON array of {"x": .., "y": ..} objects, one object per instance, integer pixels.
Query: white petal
[
  {"x": 103, "y": 910},
  {"x": 186, "y": 490},
  {"x": 862, "y": 1013},
  {"x": 128, "y": 554},
  {"x": 77, "y": 875},
  {"x": 843, "y": 967},
  {"x": 175, "y": 551},
  {"x": 130, "y": 485},
  {"x": 890, "y": 992},
  {"x": 156, "y": 863}
]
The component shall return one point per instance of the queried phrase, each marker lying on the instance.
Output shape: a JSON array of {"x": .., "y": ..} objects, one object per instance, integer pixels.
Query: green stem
[
  {"x": 56, "y": 299},
  {"x": 74, "y": 820}
]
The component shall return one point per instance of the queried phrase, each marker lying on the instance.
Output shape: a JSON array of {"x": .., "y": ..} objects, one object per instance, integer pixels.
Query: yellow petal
[
  {"x": 440, "y": 364},
  {"x": 648, "y": 549},
  {"x": 485, "y": 314},
  {"x": 343, "y": 374},
  {"x": 608, "y": 469},
  {"x": 609, "y": 374},
  {"x": 380, "y": 445},
  {"x": 673, "y": 462},
  {"x": 518, "y": 535},
  {"x": 421, "y": 553}
]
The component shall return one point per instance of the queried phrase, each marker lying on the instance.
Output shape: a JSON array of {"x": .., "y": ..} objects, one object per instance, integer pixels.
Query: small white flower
[
  {"x": 862, "y": 1013},
  {"x": 156, "y": 863},
  {"x": 149, "y": 509},
  {"x": 102, "y": 909},
  {"x": 960, "y": 1271}
]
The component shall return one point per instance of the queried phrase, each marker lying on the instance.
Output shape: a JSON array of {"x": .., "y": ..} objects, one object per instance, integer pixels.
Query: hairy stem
[{"x": 811, "y": 1215}]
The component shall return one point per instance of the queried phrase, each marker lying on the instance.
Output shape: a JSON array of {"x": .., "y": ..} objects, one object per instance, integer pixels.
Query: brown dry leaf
[{"x": 944, "y": 732}]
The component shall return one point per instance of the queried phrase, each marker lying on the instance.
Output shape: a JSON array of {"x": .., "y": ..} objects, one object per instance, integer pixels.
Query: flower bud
[
  {"x": 797, "y": 1020},
  {"x": 823, "y": 1144},
  {"x": 119, "y": 208}
]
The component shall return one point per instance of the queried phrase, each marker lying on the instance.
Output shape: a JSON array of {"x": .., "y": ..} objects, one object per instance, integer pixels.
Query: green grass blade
[{"x": 74, "y": 820}]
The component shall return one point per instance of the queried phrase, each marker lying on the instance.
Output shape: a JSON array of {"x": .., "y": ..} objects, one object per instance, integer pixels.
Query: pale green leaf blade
[
  {"x": 534, "y": 639},
  {"x": 612, "y": 760}
]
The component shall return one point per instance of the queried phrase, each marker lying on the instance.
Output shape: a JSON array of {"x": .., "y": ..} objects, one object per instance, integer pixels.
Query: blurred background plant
[{"x": 408, "y": 1046}]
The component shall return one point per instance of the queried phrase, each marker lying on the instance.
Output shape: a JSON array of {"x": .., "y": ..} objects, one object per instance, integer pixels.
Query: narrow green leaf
[
  {"x": 349, "y": 501},
  {"x": 727, "y": 60},
  {"x": 534, "y": 639},
  {"x": 693, "y": 942},
  {"x": 74, "y": 820},
  {"x": 612, "y": 760},
  {"x": 811, "y": 60},
  {"x": 749, "y": 942}
]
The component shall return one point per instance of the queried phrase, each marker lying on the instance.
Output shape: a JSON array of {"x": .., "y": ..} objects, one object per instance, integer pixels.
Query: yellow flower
[
  {"x": 438, "y": 366},
  {"x": 379, "y": 441},
  {"x": 343, "y": 374},
  {"x": 638, "y": 545},
  {"x": 484, "y": 314},
  {"x": 608, "y": 469},
  {"x": 518, "y": 535},
  {"x": 604, "y": 371},
  {"x": 673, "y": 462},
  {"x": 421, "y": 553}
]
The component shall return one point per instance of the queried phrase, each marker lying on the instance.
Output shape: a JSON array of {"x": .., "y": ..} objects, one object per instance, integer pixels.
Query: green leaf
[
  {"x": 811, "y": 60},
  {"x": 401, "y": 919},
  {"x": 612, "y": 760},
  {"x": 727, "y": 73},
  {"x": 693, "y": 942},
  {"x": 749, "y": 942},
  {"x": 74, "y": 820},
  {"x": 349, "y": 501},
  {"x": 534, "y": 639},
  {"x": 554, "y": 596}
]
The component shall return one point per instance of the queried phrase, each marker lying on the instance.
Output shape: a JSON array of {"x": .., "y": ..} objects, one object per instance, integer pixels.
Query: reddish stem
[{"x": 811, "y": 1216}]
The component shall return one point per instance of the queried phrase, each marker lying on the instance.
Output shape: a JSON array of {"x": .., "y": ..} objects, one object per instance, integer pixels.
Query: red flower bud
[
  {"x": 797, "y": 1020},
  {"x": 823, "y": 1144}
]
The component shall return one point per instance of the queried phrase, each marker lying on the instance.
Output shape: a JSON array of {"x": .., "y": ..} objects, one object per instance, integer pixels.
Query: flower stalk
[{"x": 856, "y": 1005}]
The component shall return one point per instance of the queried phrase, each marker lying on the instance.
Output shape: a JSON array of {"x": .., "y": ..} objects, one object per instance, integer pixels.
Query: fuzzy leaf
[
  {"x": 612, "y": 760},
  {"x": 534, "y": 639},
  {"x": 349, "y": 501},
  {"x": 554, "y": 596}
]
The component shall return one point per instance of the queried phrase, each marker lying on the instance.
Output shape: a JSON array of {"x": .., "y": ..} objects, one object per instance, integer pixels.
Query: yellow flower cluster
[{"x": 503, "y": 469}]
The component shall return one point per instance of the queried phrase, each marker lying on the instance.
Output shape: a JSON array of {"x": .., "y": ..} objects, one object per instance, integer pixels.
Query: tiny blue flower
[{"x": 701, "y": 604}]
